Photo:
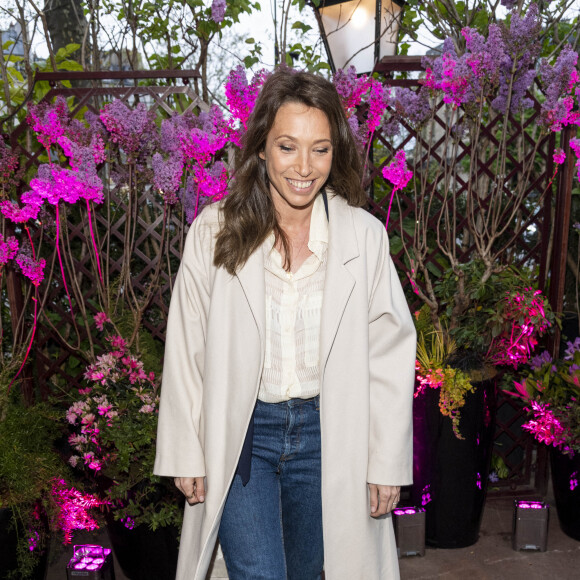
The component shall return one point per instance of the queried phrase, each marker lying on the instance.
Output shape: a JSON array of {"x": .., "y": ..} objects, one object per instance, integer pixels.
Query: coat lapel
[
  {"x": 339, "y": 282},
  {"x": 252, "y": 281}
]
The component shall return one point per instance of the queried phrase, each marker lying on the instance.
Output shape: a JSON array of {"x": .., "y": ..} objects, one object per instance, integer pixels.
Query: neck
[{"x": 293, "y": 219}]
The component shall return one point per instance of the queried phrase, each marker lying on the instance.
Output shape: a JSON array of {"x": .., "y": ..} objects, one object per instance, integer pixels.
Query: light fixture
[
  {"x": 91, "y": 562},
  {"x": 530, "y": 525},
  {"x": 409, "y": 523},
  {"x": 358, "y": 32}
]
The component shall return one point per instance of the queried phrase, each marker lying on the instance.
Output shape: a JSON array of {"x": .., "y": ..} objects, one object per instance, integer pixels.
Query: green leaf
[
  {"x": 301, "y": 26},
  {"x": 250, "y": 61},
  {"x": 71, "y": 65}
]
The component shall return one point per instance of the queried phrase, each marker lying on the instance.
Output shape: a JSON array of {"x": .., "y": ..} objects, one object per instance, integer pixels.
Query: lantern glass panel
[{"x": 350, "y": 28}]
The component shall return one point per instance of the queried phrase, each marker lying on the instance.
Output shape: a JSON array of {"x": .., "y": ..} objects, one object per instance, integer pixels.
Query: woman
[{"x": 285, "y": 412}]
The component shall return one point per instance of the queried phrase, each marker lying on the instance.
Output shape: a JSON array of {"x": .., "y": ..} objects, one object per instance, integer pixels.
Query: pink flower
[
  {"x": 8, "y": 248},
  {"x": 147, "y": 409},
  {"x": 559, "y": 156},
  {"x": 32, "y": 269},
  {"x": 396, "y": 172},
  {"x": 100, "y": 319},
  {"x": 12, "y": 211}
]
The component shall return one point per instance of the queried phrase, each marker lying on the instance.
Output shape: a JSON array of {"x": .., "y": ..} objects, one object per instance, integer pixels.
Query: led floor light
[
  {"x": 530, "y": 526},
  {"x": 91, "y": 562},
  {"x": 410, "y": 531}
]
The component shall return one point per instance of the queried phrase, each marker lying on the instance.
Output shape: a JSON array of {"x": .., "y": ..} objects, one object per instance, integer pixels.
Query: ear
[{"x": 262, "y": 155}]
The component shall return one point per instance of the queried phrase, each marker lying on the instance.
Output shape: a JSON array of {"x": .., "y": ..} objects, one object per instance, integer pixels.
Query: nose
[{"x": 303, "y": 165}]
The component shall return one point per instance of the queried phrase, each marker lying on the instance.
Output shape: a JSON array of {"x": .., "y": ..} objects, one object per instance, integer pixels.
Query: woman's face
[{"x": 298, "y": 156}]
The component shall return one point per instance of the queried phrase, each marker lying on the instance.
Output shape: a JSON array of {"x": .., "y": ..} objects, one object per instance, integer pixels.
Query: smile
[{"x": 300, "y": 184}]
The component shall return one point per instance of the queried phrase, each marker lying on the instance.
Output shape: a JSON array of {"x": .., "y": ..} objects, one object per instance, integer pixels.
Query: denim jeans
[{"x": 271, "y": 529}]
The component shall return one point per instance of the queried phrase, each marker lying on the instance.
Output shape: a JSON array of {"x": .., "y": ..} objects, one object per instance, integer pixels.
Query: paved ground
[{"x": 492, "y": 558}]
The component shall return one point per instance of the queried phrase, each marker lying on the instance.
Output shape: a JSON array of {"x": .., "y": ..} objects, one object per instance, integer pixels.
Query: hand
[
  {"x": 193, "y": 488},
  {"x": 384, "y": 498}
]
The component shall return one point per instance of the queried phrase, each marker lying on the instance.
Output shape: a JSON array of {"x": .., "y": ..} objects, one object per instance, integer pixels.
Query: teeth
[{"x": 300, "y": 184}]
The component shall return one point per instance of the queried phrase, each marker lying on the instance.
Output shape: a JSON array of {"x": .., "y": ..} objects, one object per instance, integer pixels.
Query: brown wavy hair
[{"x": 248, "y": 213}]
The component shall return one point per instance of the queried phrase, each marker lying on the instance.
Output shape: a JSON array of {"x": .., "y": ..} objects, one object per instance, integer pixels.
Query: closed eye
[
  {"x": 286, "y": 149},
  {"x": 322, "y": 151}
]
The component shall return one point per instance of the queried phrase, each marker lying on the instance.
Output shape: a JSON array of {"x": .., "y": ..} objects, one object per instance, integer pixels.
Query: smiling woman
[{"x": 285, "y": 412}]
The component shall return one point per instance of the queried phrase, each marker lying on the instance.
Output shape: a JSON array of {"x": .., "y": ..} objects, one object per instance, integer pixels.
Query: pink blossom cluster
[
  {"x": 241, "y": 95},
  {"x": 73, "y": 509},
  {"x": 546, "y": 428},
  {"x": 525, "y": 313},
  {"x": 49, "y": 121},
  {"x": 353, "y": 91},
  {"x": 430, "y": 378},
  {"x": 115, "y": 378},
  {"x": 101, "y": 319},
  {"x": 8, "y": 249},
  {"x": 31, "y": 268},
  {"x": 397, "y": 172}
]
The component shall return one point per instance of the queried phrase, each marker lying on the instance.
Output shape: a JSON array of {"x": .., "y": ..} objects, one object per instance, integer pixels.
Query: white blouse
[{"x": 293, "y": 307}]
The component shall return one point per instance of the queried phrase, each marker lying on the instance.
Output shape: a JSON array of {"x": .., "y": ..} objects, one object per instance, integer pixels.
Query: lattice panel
[
  {"x": 426, "y": 151},
  {"x": 61, "y": 342}
]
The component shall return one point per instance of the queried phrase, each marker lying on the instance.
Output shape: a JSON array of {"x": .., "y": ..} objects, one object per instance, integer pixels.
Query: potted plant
[
  {"x": 461, "y": 353},
  {"x": 551, "y": 389},
  {"x": 114, "y": 424}
]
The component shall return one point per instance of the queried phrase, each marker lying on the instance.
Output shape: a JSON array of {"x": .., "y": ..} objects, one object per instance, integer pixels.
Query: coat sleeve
[
  {"x": 179, "y": 450},
  {"x": 392, "y": 349}
]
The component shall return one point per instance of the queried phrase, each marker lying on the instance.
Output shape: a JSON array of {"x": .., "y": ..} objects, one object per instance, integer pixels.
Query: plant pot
[
  {"x": 450, "y": 475},
  {"x": 9, "y": 535},
  {"x": 566, "y": 484},
  {"x": 143, "y": 554}
]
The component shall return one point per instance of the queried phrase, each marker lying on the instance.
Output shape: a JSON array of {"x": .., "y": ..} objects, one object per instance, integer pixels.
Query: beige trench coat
[{"x": 213, "y": 362}]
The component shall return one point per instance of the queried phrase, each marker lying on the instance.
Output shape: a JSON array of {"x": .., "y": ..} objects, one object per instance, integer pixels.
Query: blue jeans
[{"x": 271, "y": 529}]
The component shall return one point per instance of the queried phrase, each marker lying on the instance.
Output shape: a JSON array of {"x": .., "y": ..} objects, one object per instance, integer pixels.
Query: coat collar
[{"x": 338, "y": 286}]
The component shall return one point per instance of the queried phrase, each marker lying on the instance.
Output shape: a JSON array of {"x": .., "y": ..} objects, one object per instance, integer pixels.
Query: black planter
[
  {"x": 450, "y": 474},
  {"x": 8, "y": 542},
  {"x": 143, "y": 554},
  {"x": 566, "y": 484}
]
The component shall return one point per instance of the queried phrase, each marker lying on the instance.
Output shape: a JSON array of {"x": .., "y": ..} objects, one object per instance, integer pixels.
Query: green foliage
[
  {"x": 28, "y": 463},
  {"x": 435, "y": 372}
]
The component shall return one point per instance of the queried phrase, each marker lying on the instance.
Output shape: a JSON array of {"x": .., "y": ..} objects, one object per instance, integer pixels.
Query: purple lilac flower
[
  {"x": 559, "y": 82},
  {"x": 133, "y": 129},
  {"x": 349, "y": 87},
  {"x": 12, "y": 211},
  {"x": 573, "y": 347},
  {"x": 167, "y": 175},
  {"x": 559, "y": 156},
  {"x": 8, "y": 165},
  {"x": 8, "y": 248},
  {"x": 241, "y": 95},
  {"x": 54, "y": 183},
  {"x": 509, "y": 4},
  {"x": 538, "y": 361},
  {"x": 218, "y": 10},
  {"x": 32, "y": 269},
  {"x": 49, "y": 121},
  {"x": 413, "y": 106}
]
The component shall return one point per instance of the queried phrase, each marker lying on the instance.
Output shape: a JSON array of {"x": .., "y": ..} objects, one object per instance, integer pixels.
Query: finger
[
  {"x": 185, "y": 485},
  {"x": 374, "y": 498},
  {"x": 200, "y": 488}
]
